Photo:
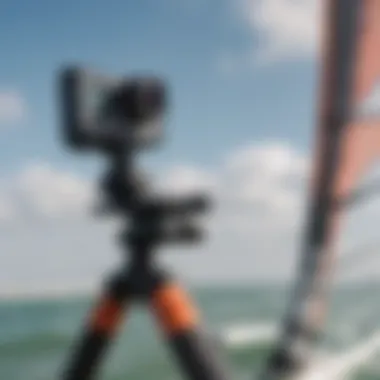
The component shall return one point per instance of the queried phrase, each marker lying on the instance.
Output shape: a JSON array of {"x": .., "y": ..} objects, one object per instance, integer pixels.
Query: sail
[{"x": 347, "y": 143}]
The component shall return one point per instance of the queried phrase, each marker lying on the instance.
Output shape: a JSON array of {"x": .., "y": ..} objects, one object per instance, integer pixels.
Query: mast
[{"x": 348, "y": 141}]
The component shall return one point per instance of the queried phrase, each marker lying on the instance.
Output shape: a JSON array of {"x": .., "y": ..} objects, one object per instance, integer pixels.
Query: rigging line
[{"x": 360, "y": 195}]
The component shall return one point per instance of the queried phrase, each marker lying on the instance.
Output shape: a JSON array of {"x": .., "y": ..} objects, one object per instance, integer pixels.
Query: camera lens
[{"x": 139, "y": 100}]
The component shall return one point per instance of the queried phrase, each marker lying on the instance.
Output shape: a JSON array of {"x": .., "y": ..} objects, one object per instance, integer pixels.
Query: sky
[{"x": 243, "y": 81}]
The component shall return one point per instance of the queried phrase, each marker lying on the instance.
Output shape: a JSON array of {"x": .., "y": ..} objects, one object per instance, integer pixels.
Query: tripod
[{"x": 153, "y": 221}]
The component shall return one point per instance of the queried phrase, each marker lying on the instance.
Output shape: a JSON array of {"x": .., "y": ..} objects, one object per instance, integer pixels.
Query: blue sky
[
  {"x": 212, "y": 111},
  {"x": 243, "y": 78}
]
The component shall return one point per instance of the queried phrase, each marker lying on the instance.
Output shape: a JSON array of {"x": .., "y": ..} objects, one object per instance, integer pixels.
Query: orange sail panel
[{"x": 360, "y": 144}]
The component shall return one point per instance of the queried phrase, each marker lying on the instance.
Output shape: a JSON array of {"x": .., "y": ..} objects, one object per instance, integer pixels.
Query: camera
[{"x": 112, "y": 114}]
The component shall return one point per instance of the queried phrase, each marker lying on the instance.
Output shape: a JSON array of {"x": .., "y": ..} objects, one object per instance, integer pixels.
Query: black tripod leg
[
  {"x": 178, "y": 319},
  {"x": 99, "y": 331}
]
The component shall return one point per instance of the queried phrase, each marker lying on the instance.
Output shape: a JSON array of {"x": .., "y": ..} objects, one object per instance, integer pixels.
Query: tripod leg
[
  {"x": 178, "y": 319},
  {"x": 99, "y": 331}
]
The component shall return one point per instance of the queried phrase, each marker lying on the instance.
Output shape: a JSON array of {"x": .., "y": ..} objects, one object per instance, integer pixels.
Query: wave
[
  {"x": 329, "y": 365},
  {"x": 241, "y": 335},
  {"x": 342, "y": 365}
]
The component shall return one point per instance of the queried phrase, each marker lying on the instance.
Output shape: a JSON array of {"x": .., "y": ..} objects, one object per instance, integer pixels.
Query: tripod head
[
  {"x": 153, "y": 219},
  {"x": 119, "y": 118}
]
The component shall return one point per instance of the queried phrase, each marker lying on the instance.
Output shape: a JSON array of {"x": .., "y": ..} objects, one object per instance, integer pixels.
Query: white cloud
[
  {"x": 54, "y": 193},
  {"x": 274, "y": 159},
  {"x": 12, "y": 107},
  {"x": 255, "y": 173},
  {"x": 259, "y": 194},
  {"x": 7, "y": 211},
  {"x": 185, "y": 179},
  {"x": 282, "y": 29},
  {"x": 261, "y": 198},
  {"x": 269, "y": 177},
  {"x": 239, "y": 225},
  {"x": 39, "y": 190},
  {"x": 258, "y": 191}
]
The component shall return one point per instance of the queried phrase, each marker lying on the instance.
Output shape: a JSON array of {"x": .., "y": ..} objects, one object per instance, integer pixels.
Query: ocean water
[{"x": 36, "y": 335}]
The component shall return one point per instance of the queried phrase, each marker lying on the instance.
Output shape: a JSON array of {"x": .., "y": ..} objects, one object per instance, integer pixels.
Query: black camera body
[
  {"x": 111, "y": 114},
  {"x": 119, "y": 117}
]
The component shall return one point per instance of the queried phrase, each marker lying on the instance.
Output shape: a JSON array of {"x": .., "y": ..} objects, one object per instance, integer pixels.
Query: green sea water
[{"x": 36, "y": 335}]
